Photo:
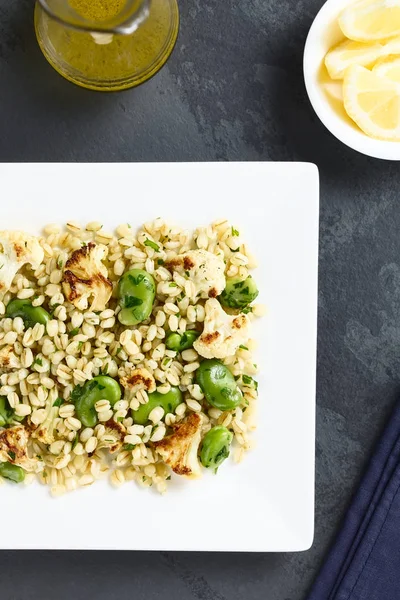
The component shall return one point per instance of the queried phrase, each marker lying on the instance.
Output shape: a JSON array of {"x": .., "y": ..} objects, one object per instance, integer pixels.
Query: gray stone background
[{"x": 233, "y": 90}]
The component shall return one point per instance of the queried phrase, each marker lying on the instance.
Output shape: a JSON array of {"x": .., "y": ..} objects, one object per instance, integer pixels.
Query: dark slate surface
[{"x": 233, "y": 90}]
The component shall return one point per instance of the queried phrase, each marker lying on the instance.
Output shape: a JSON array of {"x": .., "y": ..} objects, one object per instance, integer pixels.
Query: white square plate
[{"x": 267, "y": 502}]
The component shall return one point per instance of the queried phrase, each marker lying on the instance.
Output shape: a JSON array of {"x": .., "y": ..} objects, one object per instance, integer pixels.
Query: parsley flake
[{"x": 152, "y": 244}]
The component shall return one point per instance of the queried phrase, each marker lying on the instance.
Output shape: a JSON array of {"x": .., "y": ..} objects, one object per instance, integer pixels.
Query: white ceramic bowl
[{"x": 324, "y": 34}]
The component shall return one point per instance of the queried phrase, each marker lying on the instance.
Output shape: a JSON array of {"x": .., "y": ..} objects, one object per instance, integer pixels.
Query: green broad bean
[
  {"x": 28, "y": 313},
  {"x": 4, "y": 412},
  {"x": 169, "y": 402},
  {"x": 180, "y": 342},
  {"x": 7, "y": 415},
  {"x": 85, "y": 397},
  {"x": 136, "y": 293},
  {"x": 12, "y": 472},
  {"x": 218, "y": 385},
  {"x": 215, "y": 447},
  {"x": 239, "y": 293}
]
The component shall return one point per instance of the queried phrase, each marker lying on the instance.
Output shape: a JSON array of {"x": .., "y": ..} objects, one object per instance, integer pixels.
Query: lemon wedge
[
  {"x": 349, "y": 53},
  {"x": 389, "y": 67},
  {"x": 369, "y": 20},
  {"x": 373, "y": 102},
  {"x": 334, "y": 89}
]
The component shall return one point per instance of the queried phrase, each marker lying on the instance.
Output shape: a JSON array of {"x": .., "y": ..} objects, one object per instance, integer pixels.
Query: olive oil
[
  {"x": 97, "y": 10},
  {"x": 105, "y": 61}
]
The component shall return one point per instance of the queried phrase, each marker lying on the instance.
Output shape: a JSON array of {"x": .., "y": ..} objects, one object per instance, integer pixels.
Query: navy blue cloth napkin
[{"x": 364, "y": 563}]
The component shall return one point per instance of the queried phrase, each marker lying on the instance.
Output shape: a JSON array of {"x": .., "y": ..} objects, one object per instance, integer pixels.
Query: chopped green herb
[
  {"x": 187, "y": 273},
  {"x": 75, "y": 441},
  {"x": 160, "y": 261},
  {"x": 152, "y": 244},
  {"x": 173, "y": 284},
  {"x": 120, "y": 419},
  {"x": 77, "y": 392},
  {"x": 1, "y": 267},
  {"x": 59, "y": 264},
  {"x": 11, "y": 454},
  {"x": 128, "y": 447},
  {"x": 74, "y": 332},
  {"x": 80, "y": 344},
  {"x": 38, "y": 361},
  {"x": 129, "y": 225},
  {"x": 247, "y": 310},
  {"x": 58, "y": 402},
  {"x": 250, "y": 382},
  {"x": 119, "y": 349},
  {"x": 235, "y": 232},
  {"x": 243, "y": 347},
  {"x": 131, "y": 301},
  {"x": 168, "y": 478},
  {"x": 136, "y": 280},
  {"x": 53, "y": 308}
]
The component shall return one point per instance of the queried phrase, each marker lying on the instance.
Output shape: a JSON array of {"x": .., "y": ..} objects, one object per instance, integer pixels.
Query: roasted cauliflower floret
[
  {"x": 14, "y": 449},
  {"x": 222, "y": 334},
  {"x": 136, "y": 380},
  {"x": 179, "y": 450},
  {"x": 8, "y": 359},
  {"x": 205, "y": 270},
  {"x": 113, "y": 437},
  {"x": 86, "y": 276},
  {"x": 17, "y": 249}
]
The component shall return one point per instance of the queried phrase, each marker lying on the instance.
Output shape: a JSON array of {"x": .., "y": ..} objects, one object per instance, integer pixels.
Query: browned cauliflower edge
[
  {"x": 16, "y": 250},
  {"x": 86, "y": 276},
  {"x": 14, "y": 449},
  {"x": 204, "y": 269},
  {"x": 138, "y": 379},
  {"x": 179, "y": 450},
  {"x": 8, "y": 358},
  {"x": 222, "y": 333}
]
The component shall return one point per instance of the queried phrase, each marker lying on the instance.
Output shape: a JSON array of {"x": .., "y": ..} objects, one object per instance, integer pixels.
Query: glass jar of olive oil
[{"x": 107, "y": 45}]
